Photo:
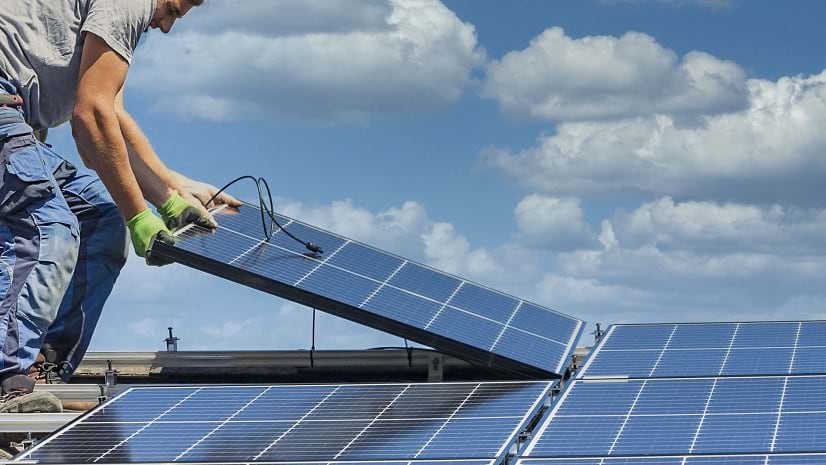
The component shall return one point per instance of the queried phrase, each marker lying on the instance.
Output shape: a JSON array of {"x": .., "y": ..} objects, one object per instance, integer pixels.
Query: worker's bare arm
[
  {"x": 95, "y": 125},
  {"x": 142, "y": 152},
  {"x": 151, "y": 173}
]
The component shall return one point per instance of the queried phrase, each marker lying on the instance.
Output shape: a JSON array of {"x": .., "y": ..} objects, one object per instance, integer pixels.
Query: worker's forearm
[
  {"x": 152, "y": 168},
  {"x": 154, "y": 189},
  {"x": 98, "y": 135}
]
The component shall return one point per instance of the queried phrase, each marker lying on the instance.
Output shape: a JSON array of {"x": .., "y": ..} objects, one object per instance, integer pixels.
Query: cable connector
[{"x": 314, "y": 248}]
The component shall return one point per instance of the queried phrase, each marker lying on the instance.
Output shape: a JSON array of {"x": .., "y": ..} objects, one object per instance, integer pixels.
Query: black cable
[
  {"x": 312, "y": 344},
  {"x": 267, "y": 211}
]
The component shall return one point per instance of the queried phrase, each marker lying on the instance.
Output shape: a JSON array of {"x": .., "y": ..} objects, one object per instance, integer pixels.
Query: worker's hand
[
  {"x": 177, "y": 212},
  {"x": 144, "y": 228},
  {"x": 204, "y": 192}
]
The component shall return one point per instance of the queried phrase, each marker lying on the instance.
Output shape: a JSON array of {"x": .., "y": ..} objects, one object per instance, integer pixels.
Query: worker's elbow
[
  {"x": 83, "y": 116},
  {"x": 89, "y": 117}
]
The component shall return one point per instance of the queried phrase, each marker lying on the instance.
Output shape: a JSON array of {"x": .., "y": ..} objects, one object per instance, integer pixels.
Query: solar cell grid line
[
  {"x": 627, "y": 417},
  {"x": 145, "y": 426},
  {"x": 728, "y": 349},
  {"x": 442, "y": 426},
  {"x": 504, "y": 328},
  {"x": 295, "y": 425},
  {"x": 665, "y": 349},
  {"x": 198, "y": 442},
  {"x": 439, "y": 312},
  {"x": 288, "y": 423},
  {"x": 702, "y": 419},
  {"x": 356, "y": 437},
  {"x": 384, "y": 291},
  {"x": 384, "y": 283},
  {"x": 325, "y": 260},
  {"x": 783, "y": 395}
]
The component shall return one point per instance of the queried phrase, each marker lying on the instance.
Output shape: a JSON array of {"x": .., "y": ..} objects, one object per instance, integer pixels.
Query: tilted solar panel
[
  {"x": 390, "y": 293},
  {"x": 685, "y": 416},
  {"x": 709, "y": 349},
  {"x": 471, "y": 423}
]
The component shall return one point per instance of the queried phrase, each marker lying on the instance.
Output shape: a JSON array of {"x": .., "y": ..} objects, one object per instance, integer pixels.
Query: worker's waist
[{"x": 12, "y": 121}]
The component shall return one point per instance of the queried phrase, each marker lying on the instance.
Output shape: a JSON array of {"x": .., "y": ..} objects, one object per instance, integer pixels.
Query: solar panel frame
[
  {"x": 802, "y": 355},
  {"x": 485, "y": 357},
  {"x": 474, "y": 391}
]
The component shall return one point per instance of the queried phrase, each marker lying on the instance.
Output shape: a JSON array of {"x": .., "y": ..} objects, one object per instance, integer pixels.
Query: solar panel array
[
  {"x": 655, "y": 395},
  {"x": 382, "y": 290},
  {"x": 469, "y": 423},
  {"x": 791, "y": 459},
  {"x": 710, "y": 349}
]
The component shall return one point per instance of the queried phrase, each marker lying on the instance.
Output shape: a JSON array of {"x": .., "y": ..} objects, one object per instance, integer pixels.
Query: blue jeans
[{"x": 62, "y": 245}]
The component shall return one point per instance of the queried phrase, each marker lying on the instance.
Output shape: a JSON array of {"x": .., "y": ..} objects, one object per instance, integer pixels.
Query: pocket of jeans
[
  {"x": 59, "y": 243},
  {"x": 23, "y": 159},
  {"x": 23, "y": 177}
]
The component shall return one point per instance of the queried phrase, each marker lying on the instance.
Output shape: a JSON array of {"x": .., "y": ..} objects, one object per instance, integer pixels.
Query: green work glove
[
  {"x": 145, "y": 228},
  {"x": 178, "y": 212}
]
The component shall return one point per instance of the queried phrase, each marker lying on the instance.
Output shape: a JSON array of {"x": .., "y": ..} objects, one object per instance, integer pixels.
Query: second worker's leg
[{"x": 102, "y": 254}]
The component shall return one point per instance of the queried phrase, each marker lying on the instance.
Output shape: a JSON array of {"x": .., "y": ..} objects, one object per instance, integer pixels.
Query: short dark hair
[{"x": 196, "y": 2}]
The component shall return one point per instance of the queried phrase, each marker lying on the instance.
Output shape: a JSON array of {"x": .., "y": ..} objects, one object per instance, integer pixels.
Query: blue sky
[{"x": 617, "y": 160}]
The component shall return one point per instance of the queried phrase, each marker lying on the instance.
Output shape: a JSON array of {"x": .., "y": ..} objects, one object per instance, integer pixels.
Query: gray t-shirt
[{"x": 41, "y": 42}]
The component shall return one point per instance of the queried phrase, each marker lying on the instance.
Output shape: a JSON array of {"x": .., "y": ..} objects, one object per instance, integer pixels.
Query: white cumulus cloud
[
  {"x": 770, "y": 152},
  {"x": 552, "y": 222},
  {"x": 324, "y": 62},
  {"x": 562, "y": 78}
]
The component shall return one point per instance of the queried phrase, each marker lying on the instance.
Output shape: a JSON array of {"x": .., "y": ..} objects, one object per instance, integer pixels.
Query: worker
[{"x": 63, "y": 228}]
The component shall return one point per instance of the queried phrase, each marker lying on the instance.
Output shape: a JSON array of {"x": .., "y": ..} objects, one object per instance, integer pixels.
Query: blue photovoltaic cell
[
  {"x": 691, "y": 362},
  {"x": 496, "y": 306},
  {"x": 709, "y": 349},
  {"x": 746, "y": 395},
  {"x": 766, "y": 335},
  {"x": 599, "y": 398},
  {"x": 337, "y": 423},
  {"x": 727, "y": 433},
  {"x": 530, "y": 316},
  {"x": 656, "y": 434},
  {"x": 634, "y": 364},
  {"x": 686, "y": 397},
  {"x": 638, "y": 337},
  {"x": 702, "y": 336},
  {"x": 514, "y": 342},
  {"x": 809, "y": 360},
  {"x": 797, "y": 460},
  {"x": 813, "y": 333},
  {"x": 455, "y": 323},
  {"x": 367, "y": 262},
  {"x": 805, "y": 394},
  {"x": 802, "y": 432},
  {"x": 424, "y": 281},
  {"x": 581, "y": 435},
  {"x": 343, "y": 286},
  {"x": 406, "y": 308},
  {"x": 357, "y": 282},
  {"x": 758, "y": 361}
]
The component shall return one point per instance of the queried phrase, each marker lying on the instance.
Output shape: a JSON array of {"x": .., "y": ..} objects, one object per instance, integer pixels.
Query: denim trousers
[{"x": 63, "y": 243}]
